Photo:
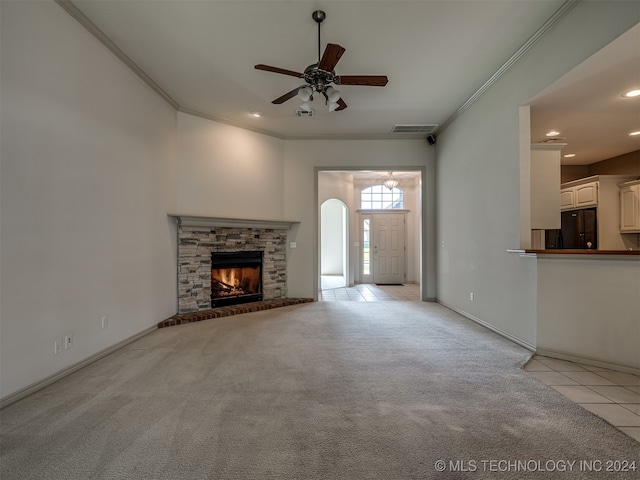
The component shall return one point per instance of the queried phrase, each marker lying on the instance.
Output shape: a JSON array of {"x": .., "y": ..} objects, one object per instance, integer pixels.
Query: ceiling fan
[{"x": 319, "y": 76}]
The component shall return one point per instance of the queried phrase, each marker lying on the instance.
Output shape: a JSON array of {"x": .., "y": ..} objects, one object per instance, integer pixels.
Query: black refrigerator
[{"x": 579, "y": 230}]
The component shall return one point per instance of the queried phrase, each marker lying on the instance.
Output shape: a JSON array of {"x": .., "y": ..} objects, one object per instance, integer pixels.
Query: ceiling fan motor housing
[{"x": 318, "y": 79}]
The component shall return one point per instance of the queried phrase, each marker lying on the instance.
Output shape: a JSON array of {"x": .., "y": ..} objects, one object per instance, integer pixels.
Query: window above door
[{"x": 380, "y": 197}]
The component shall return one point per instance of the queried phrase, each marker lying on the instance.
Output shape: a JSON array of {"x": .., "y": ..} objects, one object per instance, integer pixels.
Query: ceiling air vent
[
  {"x": 305, "y": 113},
  {"x": 427, "y": 129}
]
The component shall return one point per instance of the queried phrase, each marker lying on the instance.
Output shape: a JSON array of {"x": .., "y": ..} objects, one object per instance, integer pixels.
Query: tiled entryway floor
[
  {"x": 365, "y": 292},
  {"x": 612, "y": 395}
]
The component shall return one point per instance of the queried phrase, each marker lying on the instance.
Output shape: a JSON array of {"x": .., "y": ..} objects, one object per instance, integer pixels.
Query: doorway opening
[
  {"x": 396, "y": 213},
  {"x": 334, "y": 240}
]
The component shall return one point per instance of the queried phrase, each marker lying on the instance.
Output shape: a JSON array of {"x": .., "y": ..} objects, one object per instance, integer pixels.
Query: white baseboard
[
  {"x": 24, "y": 392},
  {"x": 493, "y": 328},
  {"x": 586, "y": 361}
]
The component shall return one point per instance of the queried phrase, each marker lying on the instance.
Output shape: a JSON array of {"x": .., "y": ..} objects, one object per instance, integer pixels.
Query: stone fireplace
[{"x": 200, "y": 237}]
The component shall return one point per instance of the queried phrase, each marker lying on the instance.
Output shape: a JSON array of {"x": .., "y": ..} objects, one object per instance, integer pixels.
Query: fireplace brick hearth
[
  {"x": 195, "y": 244},
  {"x": 181, "y": 319}
]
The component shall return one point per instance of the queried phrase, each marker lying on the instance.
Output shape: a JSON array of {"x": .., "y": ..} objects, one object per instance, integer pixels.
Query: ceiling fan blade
[
  {"x": 366, "y": 80},
  {"x": 283, "y": 71},
  {"x": 330, "y": 57},
  {"x": 287, "y": 96}
]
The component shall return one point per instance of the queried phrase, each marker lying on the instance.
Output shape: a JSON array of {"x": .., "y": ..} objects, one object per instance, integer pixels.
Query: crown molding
[
  {"x": 558, "y": 15},
  {"x": 82, "y": 19}
]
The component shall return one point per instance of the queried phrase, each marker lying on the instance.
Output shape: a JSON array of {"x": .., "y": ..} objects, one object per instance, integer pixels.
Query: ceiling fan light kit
[
  {"x": 305, "y": 94},
  {"x": 319, "y": 76},
  {"x": 333, "y": 95}
]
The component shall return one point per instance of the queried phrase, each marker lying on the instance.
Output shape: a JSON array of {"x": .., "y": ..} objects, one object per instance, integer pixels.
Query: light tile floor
[
  {"x": 328, "y": 282},
  {"x": 365, "y": 292},
  {"x": 614, "y": 396}
]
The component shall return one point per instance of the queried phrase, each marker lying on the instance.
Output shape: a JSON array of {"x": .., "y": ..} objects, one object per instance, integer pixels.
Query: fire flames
[{"x": 235, "y": 281}]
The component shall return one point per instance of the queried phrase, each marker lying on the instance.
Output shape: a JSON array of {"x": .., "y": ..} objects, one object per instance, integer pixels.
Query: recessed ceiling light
[
  {"x": 569, "y": 155},
  {"x": 552, "y": 133},
  {"x": 633, "y": 134},
  {"x": 631, "y": 93},
  {"x": 256, "y": 114}
]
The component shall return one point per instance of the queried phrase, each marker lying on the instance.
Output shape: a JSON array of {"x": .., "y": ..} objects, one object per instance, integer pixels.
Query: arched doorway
[{"x": 334, "y": 238}]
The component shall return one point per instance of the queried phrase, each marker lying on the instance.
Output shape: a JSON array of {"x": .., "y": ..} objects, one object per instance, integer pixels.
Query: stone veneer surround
[{"x": 199, "y": 236}]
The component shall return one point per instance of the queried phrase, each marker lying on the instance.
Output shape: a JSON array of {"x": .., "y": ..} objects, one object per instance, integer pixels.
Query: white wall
[
  {"x": 302, "y": 157},
  {"x": 338, "y": 185},
  {"x": 606, "y": 329},
  {"x": 332, "y": 239},
  {"x": 229, "y": 172},
  {"x": 414, "y": 222},
  {"x": 478, "y": 176},
  {"x": 88, "y": 176}
]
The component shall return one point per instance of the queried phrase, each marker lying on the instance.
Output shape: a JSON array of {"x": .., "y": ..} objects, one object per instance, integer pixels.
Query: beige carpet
[{"x": 329, "y": 390}]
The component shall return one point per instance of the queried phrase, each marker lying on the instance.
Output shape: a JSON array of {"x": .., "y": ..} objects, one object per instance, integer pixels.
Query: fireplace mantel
[{"x": 202, "y": 221}]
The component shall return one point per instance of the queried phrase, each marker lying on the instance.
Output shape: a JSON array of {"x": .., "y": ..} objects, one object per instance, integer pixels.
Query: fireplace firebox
[{"x": 236, "y": 277}]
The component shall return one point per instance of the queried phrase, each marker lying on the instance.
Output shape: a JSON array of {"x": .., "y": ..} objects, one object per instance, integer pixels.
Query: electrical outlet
[
  {"x": 57, "y": 345},
  {"x": 68, "y": 341},
  {"x": 104, "y": 321},
  {"x": 471, "y": 296}
]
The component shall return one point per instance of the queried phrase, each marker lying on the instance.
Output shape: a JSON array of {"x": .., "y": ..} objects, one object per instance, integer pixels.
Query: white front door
[{"x": 388, "y": 248}]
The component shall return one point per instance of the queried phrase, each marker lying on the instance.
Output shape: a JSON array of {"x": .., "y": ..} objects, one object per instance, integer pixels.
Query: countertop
[{"x": 627, "y": 253}]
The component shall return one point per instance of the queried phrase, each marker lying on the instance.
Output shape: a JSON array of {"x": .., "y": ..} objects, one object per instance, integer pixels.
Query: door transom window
[{"x": 379, "y": 197}]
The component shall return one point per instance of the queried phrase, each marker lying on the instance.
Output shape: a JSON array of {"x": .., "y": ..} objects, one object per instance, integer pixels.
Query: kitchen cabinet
[
  {"x": 630, "y": 207},
  {"x": 567, "y": 198},
  {"x": 604, "y": 193},
  {"x": 578, "y": 196},
  {"x": 587, "y": 195}
]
